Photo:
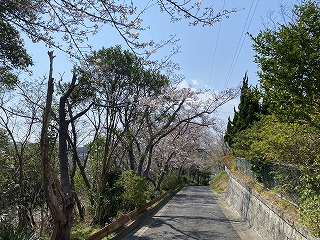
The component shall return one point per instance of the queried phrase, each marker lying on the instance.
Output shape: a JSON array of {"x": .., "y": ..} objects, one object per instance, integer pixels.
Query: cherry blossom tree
[
  {"x": 173, "y": 109},
  {"x": 189, "y": 145},
  {"x": 119, "y": 78}
]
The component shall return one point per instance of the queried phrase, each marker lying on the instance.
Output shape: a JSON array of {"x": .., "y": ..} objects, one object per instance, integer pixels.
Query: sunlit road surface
[{"x": 195, "y": 213}]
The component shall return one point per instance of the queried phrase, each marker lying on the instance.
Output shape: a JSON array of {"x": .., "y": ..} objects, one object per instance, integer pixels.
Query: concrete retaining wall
[{"x": 261, "y": 215}]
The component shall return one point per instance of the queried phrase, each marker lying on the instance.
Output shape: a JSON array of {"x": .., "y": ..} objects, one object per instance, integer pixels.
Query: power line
[
  {"x": 238, "y": 46},
  {"x": 241, "y": 41},
  {"x": 216, "y": 46},
  {"x": 244, "y": 39},
  {"x": 254, "y": 11}
]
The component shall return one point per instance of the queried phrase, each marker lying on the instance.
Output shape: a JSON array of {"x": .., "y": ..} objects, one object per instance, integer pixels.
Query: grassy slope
[{"x": 219, "y": 182}]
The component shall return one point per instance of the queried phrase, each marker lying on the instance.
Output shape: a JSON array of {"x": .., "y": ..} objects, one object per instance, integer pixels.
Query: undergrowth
[{"x": 219, "y": 182}]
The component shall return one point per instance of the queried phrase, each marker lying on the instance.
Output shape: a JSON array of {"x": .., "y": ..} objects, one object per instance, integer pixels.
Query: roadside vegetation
[
  {"x": 270, "y": 195},
  {"x": 219, "y": 182},
  {"x": 276, "y": 126}
]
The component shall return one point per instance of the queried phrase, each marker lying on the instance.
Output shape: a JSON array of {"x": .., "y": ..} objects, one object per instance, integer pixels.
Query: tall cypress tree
[{"x": 248, "y": 110}]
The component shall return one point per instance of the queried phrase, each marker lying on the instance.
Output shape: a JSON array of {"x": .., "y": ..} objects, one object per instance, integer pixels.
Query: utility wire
[
  {"x": 241, "y": 41},
  {"x": 238, "y": 46},
  {"x": 254, "y": 11},
  {"x": 216, "y": 46}
]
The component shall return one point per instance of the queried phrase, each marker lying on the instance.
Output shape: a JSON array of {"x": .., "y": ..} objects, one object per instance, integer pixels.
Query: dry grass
[
  {"x": 283, "y": 205},
  {"x": 219, "y": 182}
]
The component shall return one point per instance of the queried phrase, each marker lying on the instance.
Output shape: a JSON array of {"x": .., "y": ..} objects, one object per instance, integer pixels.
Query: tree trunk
[
  {"x": 23, "y": 206},
  {"x": 63, "y": 148},
  {"x": 143, "y": 158},
  {"x": 148, "y": 167},
  {"x": 73, "y": 173},
  {"x": 61, "y": 231},
  {"x": 131, "y": 156},
  {"x": 106, "y": 165},
  {"x": 79, "y": 206},
  {"x": 164, "y": 171},
  {"x": 100, "y": 214},
  {"x": 77, "y": 162},
  {"x": 68, "y": 196},
  {"x": 58, "y": 196},
  {"x": 160, "y": 179}
]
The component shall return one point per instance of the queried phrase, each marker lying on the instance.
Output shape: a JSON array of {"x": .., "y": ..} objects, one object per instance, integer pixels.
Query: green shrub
[
  {"x": 136, "y": 190},
  {"x": 10, "y": 232},
  {"x": 82, "y": 232},
  {"x": 109, "y": 202},
  {"x": 310, "y": 213},
  {"x": 171, "y": 181}
]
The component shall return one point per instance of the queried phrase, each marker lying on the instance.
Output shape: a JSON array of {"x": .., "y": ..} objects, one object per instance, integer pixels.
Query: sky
[{"x": 214, "y": 57}]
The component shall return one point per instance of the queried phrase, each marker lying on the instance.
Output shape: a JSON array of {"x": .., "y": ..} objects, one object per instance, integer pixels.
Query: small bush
[
  {"x": 111, "y": 199},
  {"x": 171, "y": 181},
  {"x": 310, "y": 213},
  {"x": 82, "y": 232},
  {"x": 136, "y": 190},
  {"x": 10, "y": 232}
]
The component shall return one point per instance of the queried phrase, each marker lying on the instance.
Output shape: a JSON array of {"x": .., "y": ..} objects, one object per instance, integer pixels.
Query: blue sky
[{"x": 215, "y": 57}]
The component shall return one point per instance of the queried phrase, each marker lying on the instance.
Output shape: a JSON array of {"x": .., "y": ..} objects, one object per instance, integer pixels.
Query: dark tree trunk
[
  {"x": 131, "y": 156},
  {"x": 23, "y": 206},
  {"x": 160, "y": 179},
  {"x": 77, "y": 162},
  {"x": 101, "y": 210},
  {"x": 61, "y": 231},
  {"x": 165, "y": 170},
  {"x": 140, "y": 165},
  {"x": 148, "y": 167},
  {"x": 79, "y": 206},
  {"x": 143, "y": 158},
  {"x": 58, "y": 194},
  {"x": 67, "y": 191}
]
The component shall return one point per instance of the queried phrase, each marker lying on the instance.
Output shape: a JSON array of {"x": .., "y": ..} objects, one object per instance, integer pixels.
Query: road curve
[{"x": 195, "y": 213}]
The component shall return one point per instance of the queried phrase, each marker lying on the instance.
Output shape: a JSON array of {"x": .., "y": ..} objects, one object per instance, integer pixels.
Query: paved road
[{"x": 195, "y": 213}]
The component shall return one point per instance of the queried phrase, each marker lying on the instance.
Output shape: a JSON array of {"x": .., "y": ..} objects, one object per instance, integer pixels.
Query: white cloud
[
  {"x": 183, "y": 84},
  {"x": 224, "y": 111},
  {"x": 195, "y": 82}
]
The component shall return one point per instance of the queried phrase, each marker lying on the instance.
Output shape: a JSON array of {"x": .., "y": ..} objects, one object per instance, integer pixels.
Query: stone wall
[{"x": 261, "y": 215}]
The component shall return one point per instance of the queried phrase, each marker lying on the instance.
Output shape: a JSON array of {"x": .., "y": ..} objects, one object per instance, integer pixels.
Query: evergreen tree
[
  {"x": 13, "y": 55},
  {"x": 248, "y": 110},
  {"x": 288, "y": 58}
]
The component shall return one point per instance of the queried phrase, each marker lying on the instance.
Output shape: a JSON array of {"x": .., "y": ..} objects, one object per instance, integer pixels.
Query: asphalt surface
[{"x": 195, "y": 213}]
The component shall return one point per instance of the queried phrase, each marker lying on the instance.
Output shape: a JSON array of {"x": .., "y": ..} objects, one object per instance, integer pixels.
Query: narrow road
[{"x": 195, "y": 213}]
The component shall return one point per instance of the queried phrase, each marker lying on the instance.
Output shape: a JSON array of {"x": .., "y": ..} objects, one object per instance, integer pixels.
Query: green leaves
[
  {"x": 136, "y": 190},
  {"x": 274, "y": 141},
  {"x": 13, "y": 55},
  {"x": 310, "y": 213},
  {"x": 9, "y": 232},
  {"x": 249, "y": 109},
  {"x": 288, "y": 56},
  {"x": 288, "y": 145},
  {"x": 290, "y": 65},
  {"x": 12, "y": 51}
]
